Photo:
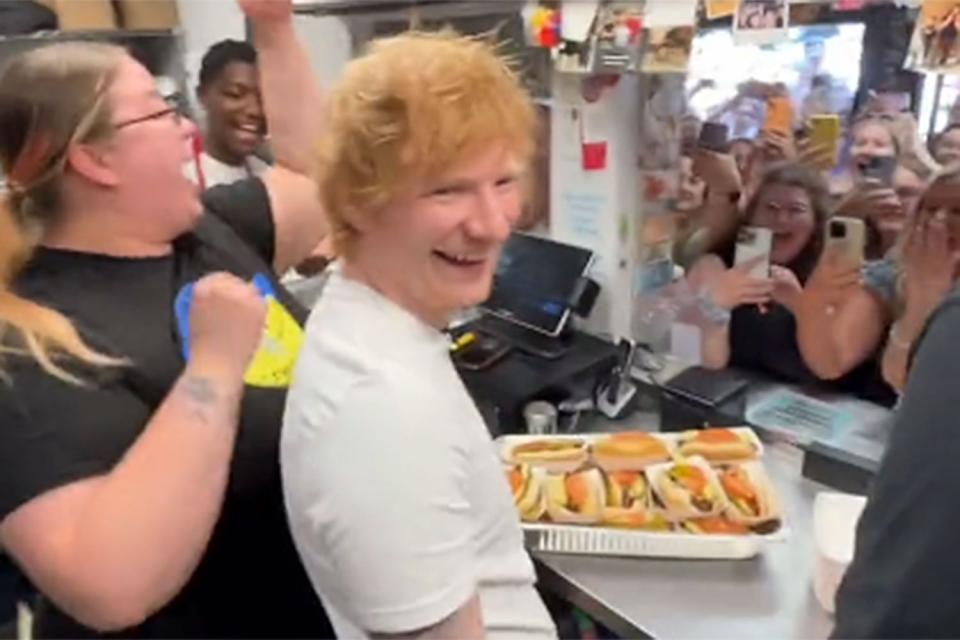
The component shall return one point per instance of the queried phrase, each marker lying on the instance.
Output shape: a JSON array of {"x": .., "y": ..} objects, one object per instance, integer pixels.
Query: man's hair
[
  {"x": 221, "y": 54},
  {"x": 412, "y": 107}
]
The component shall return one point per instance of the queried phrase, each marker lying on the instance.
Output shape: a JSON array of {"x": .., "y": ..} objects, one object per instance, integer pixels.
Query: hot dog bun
[
  {"x": 555, "y": 455},
  {"x": 687, "y": 489},
  {"x": 751, "y": 499},
  {"x": 717, "y": 445},
  {"x": 715, "y": 525},
  {"x": 634, "y": 519},
  {"x": 629, "y": 451},
  {"x": 528, "y": 493}
]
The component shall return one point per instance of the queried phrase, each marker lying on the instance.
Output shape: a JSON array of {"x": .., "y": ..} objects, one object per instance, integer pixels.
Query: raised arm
[
  {"x": 292, "y": 98},
  {"x": 720, "y": 291},
  {"x": 929, "y": 268},
  {"x": 294, "y": 106},
  {"x": 839, "y": 323}
]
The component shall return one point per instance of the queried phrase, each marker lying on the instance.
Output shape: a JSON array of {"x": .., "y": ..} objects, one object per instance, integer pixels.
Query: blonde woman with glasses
[{"x": 147, "y": 349}]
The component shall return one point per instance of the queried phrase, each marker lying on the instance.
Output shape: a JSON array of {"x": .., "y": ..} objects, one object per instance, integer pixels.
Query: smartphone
[
  {"x": 880, "y": 169},
  {"x": 714, "y": 137},
  {"x": 779, "y": 115},
  {"x": 482, "y": 353},
  {"x": 849, "y": 236},
  {"x": 825, "y": 134},
  {"x": 753, "y": 242}
]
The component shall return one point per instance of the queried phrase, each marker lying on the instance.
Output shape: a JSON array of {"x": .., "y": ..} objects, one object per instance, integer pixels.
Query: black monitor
[{"x": 534, "y": 282}]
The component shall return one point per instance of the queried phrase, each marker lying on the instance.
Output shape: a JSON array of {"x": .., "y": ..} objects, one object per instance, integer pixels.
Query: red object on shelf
[
  {"x": 594, "y": 156},
  {"x": 549, "y": 37}
]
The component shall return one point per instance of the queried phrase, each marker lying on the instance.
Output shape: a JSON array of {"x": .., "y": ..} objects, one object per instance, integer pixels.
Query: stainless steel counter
[{"x": 770, "y": 596}]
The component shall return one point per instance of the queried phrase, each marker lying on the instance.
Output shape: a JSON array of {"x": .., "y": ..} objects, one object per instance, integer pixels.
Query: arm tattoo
[{"x": 202, "y": 397}]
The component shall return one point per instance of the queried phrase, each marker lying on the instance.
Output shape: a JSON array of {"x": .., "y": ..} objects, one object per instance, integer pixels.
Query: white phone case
[
  {"x": 751, "y": 243},
  {"x": 854, "y": 238}
]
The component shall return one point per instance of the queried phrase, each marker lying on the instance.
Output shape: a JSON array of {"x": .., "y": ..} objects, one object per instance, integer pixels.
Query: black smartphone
[
  {"x": 880, "y": 169},
  {"x": 714, "y": 136},
  {"x": 482, "y": 353}
]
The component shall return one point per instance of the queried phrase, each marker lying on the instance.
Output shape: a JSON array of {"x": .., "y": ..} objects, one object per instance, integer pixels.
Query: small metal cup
[{"x": 541, "y": 418}]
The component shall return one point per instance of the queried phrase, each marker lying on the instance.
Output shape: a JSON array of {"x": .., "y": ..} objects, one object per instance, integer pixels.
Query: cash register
[{"x": 523, "y": 347}]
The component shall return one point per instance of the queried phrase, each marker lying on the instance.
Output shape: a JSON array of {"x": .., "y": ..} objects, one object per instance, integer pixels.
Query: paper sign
[
  {"x": 720, "y": 9},
  {"x": 761, "y": 21},
  {"x": 804, "y": 419},
  {"x": 663, "y": 14},
  {"x": 576, "y": 19},
  {"x": 595, "y": 124}
]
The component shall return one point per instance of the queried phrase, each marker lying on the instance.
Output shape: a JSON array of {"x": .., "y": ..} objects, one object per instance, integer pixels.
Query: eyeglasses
[{"x": 170, "y": 110}]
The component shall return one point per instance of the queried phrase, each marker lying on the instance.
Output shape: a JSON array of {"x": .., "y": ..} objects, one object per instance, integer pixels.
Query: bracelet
[
  {"x": 714, "y": 313},
  {"x": 896, "y": 341}
]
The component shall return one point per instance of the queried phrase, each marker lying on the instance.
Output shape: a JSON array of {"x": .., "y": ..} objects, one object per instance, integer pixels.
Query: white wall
[
  {"x": 205, "y": 22},
  {"x": 329, "y": 44}
]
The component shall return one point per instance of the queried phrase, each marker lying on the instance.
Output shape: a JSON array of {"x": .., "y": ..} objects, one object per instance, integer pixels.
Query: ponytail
[{"x": 43, "y": 333}]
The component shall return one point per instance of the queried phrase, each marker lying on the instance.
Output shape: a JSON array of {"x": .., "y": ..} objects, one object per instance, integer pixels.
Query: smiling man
[
  {"x": 229, "y": 90},
  {"x": 399, "y": 509}
]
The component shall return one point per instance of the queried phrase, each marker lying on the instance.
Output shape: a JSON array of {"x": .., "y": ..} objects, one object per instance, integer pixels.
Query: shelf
[
  {"x": 353, "y": 7},
  {"x": 100, "y": 34}
]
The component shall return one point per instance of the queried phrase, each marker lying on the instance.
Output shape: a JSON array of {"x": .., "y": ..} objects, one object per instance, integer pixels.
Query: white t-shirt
[
  {"x": 397, "y": 503},
  {"x": 216, "y": 172}
]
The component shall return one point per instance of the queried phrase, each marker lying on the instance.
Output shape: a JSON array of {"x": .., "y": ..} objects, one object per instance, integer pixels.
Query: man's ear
[{"x": 93, "y": 163}]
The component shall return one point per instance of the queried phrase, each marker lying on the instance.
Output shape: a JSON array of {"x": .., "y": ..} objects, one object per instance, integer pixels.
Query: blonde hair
[
  {"x": 50, "y": 98},
  {"x": 411, "y": 107}
]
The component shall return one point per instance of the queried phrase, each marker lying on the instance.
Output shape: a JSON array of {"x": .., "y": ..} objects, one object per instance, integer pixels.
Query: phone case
[
  {"x": 779, "y": 115},
  {"x": 825, "y": 133},
  {"x": 852, "y": 244},
  {"x": 484, "y": 353},
  {"x": 881, "y": 170},
  {"x": 753, "y": 242}
]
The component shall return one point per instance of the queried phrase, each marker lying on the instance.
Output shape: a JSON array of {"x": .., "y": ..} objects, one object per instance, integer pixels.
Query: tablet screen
[{"x": 534, "y": 281}]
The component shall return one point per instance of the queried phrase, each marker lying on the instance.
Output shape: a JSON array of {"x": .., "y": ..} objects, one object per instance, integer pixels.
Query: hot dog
[
  {"x": 557, "y": 455},
  {"x": 575, "y": 497},
  {"x": 688, "y": 490},
  {"x": 715, "y": 525},
  {"x": 630, "y": 451},
  {"x": 751, "y": 499},
  {"x": 629, "y": 504},
  {"x": 718, "y": 445},
  {"x": 526, "y": 485}
]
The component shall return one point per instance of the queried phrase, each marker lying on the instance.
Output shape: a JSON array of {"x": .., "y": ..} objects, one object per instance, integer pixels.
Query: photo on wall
[
  {"x": 618, "y": 34},
  {"x": 664, "y": 104},
  {"x": 717, "y": 9},
  {"x": 668, "y": 50},
  {"x": 935, "y": 46},
  {"x": 761, "y": 21}
]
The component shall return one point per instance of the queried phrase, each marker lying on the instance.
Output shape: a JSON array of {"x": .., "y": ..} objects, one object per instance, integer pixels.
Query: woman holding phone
[
  {"x": 925, "y": 272},
  {"x": 765, "y": 323},
  {"x": 147, "y": 350}
]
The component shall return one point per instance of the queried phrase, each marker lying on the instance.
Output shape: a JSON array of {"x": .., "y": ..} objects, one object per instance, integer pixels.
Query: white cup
[{"x": 541, "y": 418}]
